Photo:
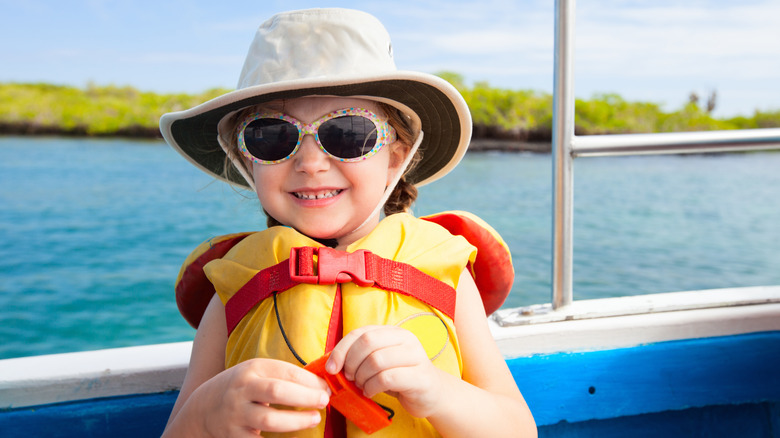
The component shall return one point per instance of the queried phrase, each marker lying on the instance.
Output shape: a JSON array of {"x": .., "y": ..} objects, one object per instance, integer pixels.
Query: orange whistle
[{"x": 349, "y": 400}]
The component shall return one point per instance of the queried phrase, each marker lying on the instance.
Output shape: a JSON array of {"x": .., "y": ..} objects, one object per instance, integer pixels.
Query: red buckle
[{"x": 333, "y": 266}]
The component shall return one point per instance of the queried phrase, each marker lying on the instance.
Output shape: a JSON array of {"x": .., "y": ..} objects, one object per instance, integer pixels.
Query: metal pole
[
  {"x": 676, "y": 142},
  {"x": 562, "y": 136}
]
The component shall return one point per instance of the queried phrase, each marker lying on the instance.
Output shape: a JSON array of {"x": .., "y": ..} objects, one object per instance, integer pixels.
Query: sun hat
[{"x": 327, "y": 52}]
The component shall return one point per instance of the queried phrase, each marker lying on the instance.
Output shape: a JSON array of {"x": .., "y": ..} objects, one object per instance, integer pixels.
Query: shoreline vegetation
[{"x": 514, "y": 120}]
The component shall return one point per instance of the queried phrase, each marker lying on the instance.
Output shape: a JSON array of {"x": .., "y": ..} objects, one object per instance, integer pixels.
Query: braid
[{"x": 401, "y": 199}]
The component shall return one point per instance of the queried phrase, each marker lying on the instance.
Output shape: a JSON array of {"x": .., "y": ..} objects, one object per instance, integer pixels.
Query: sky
[{"x": 645, "y": 50}]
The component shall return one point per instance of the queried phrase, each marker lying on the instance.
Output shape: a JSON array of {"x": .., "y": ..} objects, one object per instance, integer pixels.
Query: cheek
[
  {"x": 383, "y": 178},
  {"x": 367, "y": 178},
  {"x": 267, "y": 173},
  {"x": 380, "y": 171},
  {"x": 266, "y": 179}
]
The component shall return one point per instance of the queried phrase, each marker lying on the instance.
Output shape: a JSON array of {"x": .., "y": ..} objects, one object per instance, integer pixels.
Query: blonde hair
[{"x": 401, "y": 198}]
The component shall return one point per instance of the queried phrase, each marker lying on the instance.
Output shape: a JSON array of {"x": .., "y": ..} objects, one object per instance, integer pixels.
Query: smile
[{"x": 318, "y": 195}]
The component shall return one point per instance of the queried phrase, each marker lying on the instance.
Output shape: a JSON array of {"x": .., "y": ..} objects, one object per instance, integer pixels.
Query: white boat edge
[{"x": 585, "y": 325}]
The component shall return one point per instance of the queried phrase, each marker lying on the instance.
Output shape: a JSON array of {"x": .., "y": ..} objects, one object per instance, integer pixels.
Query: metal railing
[{"x": 567, "y": 146}]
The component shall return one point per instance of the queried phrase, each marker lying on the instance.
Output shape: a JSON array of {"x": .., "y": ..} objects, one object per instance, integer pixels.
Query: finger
[
  {"x": 338, "y": 354},
  {"x": 419, "y": 391},
  {"x": 278, "y": 369},
  {"x": 393, "y": 380},
  {"x": 365, "y": 343},
  {"x": 269, "y": 419},
  {"x": 396, "y": 356},
  {"x": 380, "y": 349},
  {"x": 286, "y": 393}
]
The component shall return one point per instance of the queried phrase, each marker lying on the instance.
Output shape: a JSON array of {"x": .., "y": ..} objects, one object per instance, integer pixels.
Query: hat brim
[{"x": 444, "y": 117}]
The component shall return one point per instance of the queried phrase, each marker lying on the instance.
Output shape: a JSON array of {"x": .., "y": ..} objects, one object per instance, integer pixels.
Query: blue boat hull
[{"x": 711, "y": 387}]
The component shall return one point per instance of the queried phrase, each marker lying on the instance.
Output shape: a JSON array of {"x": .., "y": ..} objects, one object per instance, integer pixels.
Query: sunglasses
[{"x": 349, "y": 135}]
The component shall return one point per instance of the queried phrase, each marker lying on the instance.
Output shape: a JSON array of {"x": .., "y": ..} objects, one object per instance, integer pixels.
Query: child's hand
[
  {"x": 389, "y": 359},
  {"x": 237, "y": 402}
]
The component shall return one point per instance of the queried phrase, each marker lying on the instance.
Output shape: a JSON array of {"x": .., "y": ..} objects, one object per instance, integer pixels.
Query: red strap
[
  {"x": 361, "y": 267},
  {"x": 336, "y": 323},
  {"x": 261, "y": 286},
  {"x": 335, "y": 422},
  {"x": 405, "y": 279}
]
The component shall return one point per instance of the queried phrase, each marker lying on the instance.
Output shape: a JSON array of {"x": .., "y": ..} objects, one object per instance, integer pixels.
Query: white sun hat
[{"x": 327, "y": 52}]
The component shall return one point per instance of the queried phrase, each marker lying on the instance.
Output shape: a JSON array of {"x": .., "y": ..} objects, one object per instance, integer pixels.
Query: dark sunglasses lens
[
  {"x": 270, "y": 139},
  {"x": 348, "y": 136}
]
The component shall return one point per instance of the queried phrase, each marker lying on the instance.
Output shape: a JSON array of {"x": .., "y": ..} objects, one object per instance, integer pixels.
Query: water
[{"x": 94, "y": 231}]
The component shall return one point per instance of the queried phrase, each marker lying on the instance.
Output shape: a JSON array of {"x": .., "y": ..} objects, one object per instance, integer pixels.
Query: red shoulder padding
[
  {"x": 193, "y": 289},
  {"x": 492, "y": 270}
]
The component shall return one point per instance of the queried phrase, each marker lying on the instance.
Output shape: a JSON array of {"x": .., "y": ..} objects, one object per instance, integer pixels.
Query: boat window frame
[{"x": 566, "y": 146}]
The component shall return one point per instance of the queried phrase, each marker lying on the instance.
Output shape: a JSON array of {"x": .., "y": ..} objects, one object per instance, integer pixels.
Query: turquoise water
[{"x": 94, "y": 231}]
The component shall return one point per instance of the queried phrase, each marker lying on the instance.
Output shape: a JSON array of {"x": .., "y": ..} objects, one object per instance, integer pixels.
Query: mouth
[{"x": 322, "y": 194}]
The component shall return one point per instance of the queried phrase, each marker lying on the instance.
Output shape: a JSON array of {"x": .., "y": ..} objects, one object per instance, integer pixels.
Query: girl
[{"x": 327, "y": 132}]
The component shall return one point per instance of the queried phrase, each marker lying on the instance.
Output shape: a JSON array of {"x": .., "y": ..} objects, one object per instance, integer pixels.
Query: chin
[{"x": 319, "y": 233}]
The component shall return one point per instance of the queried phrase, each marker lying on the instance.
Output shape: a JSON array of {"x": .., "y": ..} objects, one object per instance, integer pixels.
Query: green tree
[{"x": 496, "y": 112}]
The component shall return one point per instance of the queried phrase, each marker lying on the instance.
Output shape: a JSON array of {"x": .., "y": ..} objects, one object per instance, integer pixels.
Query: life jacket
[{"x": 287, "y": 297}]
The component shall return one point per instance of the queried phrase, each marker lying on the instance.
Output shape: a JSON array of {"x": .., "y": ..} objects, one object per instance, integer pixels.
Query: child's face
[{"x": 318, "y": 195}]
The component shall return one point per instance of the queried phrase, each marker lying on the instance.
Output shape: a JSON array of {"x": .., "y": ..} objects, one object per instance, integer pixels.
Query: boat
[{"x": 680, "y": 364}]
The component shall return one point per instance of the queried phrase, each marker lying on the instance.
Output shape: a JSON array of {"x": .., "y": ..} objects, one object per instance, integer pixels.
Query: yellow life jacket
[{"x": 279, "y": 303}]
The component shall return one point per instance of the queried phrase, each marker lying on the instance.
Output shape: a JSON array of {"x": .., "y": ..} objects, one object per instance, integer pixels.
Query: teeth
[{"x": 321, "y": 195}]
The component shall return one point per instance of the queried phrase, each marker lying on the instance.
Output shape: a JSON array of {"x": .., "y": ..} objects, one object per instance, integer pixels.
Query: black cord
[
  {"x": 390, "y": 412},
  {"x": 284, "y": 334}
]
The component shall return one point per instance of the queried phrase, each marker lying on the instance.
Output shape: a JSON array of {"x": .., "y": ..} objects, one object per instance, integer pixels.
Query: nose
[{"x": 310, "y": 158}]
